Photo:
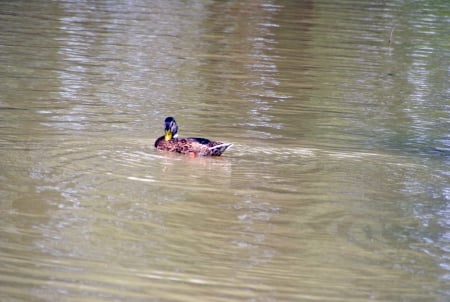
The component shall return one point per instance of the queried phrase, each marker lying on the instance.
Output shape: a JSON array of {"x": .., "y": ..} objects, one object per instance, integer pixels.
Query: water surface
[{"x": 336, "y": 189}]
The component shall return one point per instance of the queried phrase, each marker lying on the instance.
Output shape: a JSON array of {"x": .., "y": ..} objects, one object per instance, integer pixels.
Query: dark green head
[{"x": 170, "y": 128}]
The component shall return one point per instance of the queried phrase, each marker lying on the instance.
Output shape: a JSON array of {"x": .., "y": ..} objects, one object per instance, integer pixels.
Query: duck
[{"x": 192, "y": 146}]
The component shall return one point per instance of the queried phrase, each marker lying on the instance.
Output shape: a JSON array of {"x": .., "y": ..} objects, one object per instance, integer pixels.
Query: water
[{"x": 336, "y": 189}]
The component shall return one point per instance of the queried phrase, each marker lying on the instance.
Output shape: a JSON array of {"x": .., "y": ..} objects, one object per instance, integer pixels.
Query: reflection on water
[{"x": 336, "y": 187}]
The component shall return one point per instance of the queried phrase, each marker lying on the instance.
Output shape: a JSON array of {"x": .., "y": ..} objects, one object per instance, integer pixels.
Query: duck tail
[{"x": 219, "y": 149}]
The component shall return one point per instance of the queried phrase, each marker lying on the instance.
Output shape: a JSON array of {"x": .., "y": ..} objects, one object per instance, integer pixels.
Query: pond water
[{"x": 337, "y": 187}]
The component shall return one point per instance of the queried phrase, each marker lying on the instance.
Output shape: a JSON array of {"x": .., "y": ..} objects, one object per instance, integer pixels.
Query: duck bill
[{"x": 167, "y": 135}]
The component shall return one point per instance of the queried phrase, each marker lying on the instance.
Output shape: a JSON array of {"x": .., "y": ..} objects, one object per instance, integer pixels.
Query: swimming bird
[{"x": 192, "y": 146}]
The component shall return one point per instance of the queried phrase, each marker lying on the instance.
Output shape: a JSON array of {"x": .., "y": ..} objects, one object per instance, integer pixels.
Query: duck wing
[
  {"x": 213, "y": 148},
  {"x": 200, "y": 140}
]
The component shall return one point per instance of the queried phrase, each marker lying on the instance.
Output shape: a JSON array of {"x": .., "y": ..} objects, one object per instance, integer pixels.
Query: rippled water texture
[{"x": 336, "y": 189}]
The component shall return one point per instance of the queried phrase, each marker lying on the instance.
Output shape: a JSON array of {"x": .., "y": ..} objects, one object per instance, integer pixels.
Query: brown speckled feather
[{"x": 191, "y": 145}]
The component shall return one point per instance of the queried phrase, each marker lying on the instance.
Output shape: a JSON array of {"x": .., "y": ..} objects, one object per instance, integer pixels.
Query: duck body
[{"x": 191, "y": 145}]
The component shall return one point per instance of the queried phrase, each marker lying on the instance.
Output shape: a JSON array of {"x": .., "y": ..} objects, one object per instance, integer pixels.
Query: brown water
[{"x": 336, "y": 189}]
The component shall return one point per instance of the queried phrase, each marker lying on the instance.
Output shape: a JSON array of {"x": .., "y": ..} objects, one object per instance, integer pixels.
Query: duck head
[{"x": 170, "y": 128}]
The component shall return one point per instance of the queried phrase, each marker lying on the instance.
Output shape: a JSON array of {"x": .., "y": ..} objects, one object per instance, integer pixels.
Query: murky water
[{"x": 336, "y": 189}]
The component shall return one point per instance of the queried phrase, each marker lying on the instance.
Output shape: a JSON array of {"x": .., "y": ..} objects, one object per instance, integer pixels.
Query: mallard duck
[{"x": 191, "y": 145}]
